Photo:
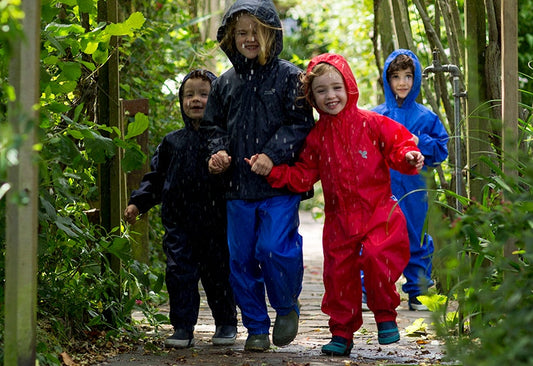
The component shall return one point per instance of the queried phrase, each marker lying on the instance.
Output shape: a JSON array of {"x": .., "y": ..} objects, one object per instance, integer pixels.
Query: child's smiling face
[
  {"x": 329, "y": 92},
  {"x": 195, "y": 94},
  {"x": 246, "y": 37},
  {"x": 401, "y": 82}
]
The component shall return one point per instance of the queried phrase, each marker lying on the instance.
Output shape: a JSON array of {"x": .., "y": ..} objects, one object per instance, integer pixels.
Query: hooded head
[
  {"x": 266, "y": 14},
  {"x": 200, "y": 74},
  {"x": 390, "y": 97},
  {"x": 339, "y": 63}
]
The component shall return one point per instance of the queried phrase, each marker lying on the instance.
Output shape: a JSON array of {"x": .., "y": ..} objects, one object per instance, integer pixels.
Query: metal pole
[{"x": 436, "y": 67}]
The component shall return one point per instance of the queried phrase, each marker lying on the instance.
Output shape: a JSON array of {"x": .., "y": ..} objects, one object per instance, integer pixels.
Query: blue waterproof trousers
[{"x": 265, "y": 253}]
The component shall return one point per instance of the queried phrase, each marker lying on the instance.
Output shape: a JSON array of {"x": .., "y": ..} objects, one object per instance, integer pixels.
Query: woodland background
[{"x": 93, "y": 271}]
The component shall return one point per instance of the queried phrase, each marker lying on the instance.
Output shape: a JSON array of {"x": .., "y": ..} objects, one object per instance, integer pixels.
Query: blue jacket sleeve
[{"x": 433, "y": 142}]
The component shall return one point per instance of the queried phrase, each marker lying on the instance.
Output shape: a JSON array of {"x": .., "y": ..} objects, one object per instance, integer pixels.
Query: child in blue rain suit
[
  {"x": 402, "y": 79},
  {"x": 193, "y": 212},
  {"x": 253, "y": 109}
]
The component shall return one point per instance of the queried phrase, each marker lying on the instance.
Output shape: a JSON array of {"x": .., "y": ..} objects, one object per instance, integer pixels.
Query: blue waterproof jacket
[
  {"x": 432, "y": 142},
  {"x": 253, "y": 108},
  {"x": 179, "y": 180}
]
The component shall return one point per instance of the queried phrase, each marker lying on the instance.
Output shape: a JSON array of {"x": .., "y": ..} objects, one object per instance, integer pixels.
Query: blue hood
[{"x": 390, "y": 98}]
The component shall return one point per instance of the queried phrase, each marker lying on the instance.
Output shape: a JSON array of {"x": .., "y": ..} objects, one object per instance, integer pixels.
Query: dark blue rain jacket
[
  {"x": 252, "y": 109},
  {"x": 180, "y": 181}
]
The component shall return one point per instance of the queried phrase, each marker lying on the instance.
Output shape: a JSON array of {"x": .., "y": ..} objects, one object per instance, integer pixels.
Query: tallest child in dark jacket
[{"x": 252, "y": 109}]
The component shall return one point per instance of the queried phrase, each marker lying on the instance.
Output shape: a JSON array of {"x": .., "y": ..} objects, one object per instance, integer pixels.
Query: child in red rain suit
[{"x": 350, "y": 150}]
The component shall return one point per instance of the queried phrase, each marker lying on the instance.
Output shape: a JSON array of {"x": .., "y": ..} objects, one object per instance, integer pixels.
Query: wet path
[{"x": 313, "y": 332}]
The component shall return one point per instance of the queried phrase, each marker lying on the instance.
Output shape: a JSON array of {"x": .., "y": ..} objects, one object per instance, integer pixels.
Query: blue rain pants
[
  {"x": 418, "y": 271},
  {"x": 265, "y": 253}
]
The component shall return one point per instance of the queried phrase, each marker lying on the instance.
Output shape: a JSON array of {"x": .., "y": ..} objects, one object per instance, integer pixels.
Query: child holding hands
[
  {"x": 350, "y": 150},
  {"x": 253, "y": 110},
  {"x": 193, "y": 213}
]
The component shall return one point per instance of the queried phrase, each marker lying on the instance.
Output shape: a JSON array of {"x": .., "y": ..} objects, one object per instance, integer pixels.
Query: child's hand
[
  {"x": 261, "y": 164},
  {"x": 130, "y": 214},
  {"x": 219, "y": 162},
  {"x": 416, "y": 159}
]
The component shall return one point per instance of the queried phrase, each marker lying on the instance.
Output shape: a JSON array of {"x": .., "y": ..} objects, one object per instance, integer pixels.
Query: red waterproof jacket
[{"x": 350, "y": 153}]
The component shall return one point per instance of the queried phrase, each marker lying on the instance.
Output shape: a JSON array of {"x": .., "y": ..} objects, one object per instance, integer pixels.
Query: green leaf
[
  {"x": 137, "y": 127},
  {"x": 86, "y": 6},
  {"x": 89, "y": 47},
  {"x": 70, "y": 71},
  {"x": 120, "y": 247},
  {"x": 419, "y": 327},
  {"x": 99, "y": 148},
  {"x": 126, "y": 28},
  {"x": 133, "y": 159},
  {"x": 66, "y": 225},
  {"x": 63, "y": 30},
  {"x": 63, "y": 149},
  {"x": 63, "y": 87}
]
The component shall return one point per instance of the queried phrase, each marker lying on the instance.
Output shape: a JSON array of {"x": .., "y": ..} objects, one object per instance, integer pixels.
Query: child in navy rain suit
[
  {"x": 253, "y": 109},
  {"x": 402, "y": 79},
  {"x": 350, "y": 151},
  {"x": 193, "y": 213}
]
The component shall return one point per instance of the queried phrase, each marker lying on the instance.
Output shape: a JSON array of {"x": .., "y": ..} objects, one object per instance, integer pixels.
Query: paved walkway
[{"x": 313, "y": 331}]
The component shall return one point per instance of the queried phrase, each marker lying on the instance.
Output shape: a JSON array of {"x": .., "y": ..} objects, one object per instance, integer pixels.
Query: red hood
[{"x": 342, "y": 65}]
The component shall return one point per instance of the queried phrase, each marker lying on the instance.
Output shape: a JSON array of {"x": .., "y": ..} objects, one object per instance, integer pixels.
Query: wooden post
[
  {"x": 510, "y": 94},
  {"x": 111, "y": 179},
  {"x": 140, "y": 249},
  {"x": 22, "y": 198},
  {"x": 477, "y": 137}
]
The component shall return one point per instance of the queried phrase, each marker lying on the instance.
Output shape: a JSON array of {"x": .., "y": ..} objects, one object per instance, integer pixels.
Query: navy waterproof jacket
[
  {"x": 179, "y": 179},
  {"x": 253, "y": 109}
]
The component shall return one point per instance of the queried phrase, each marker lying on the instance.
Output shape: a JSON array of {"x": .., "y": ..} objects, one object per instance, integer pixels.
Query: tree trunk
[{"x": 478, "y": 139}]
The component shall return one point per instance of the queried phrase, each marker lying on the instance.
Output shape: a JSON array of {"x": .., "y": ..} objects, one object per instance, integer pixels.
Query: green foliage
[
  {"x": 77, "y": 287},
  {"x": 325, "y": 27},
  {"x": 525, "y": 50},
  {"x": 493, "y": 290}
]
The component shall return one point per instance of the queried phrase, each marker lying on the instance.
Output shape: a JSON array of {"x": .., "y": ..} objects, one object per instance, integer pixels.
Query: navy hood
[
  {"x": 390, "y": 98},
  {"x": 266, "y": 12},
  {"x": 186, "y": 119}
]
